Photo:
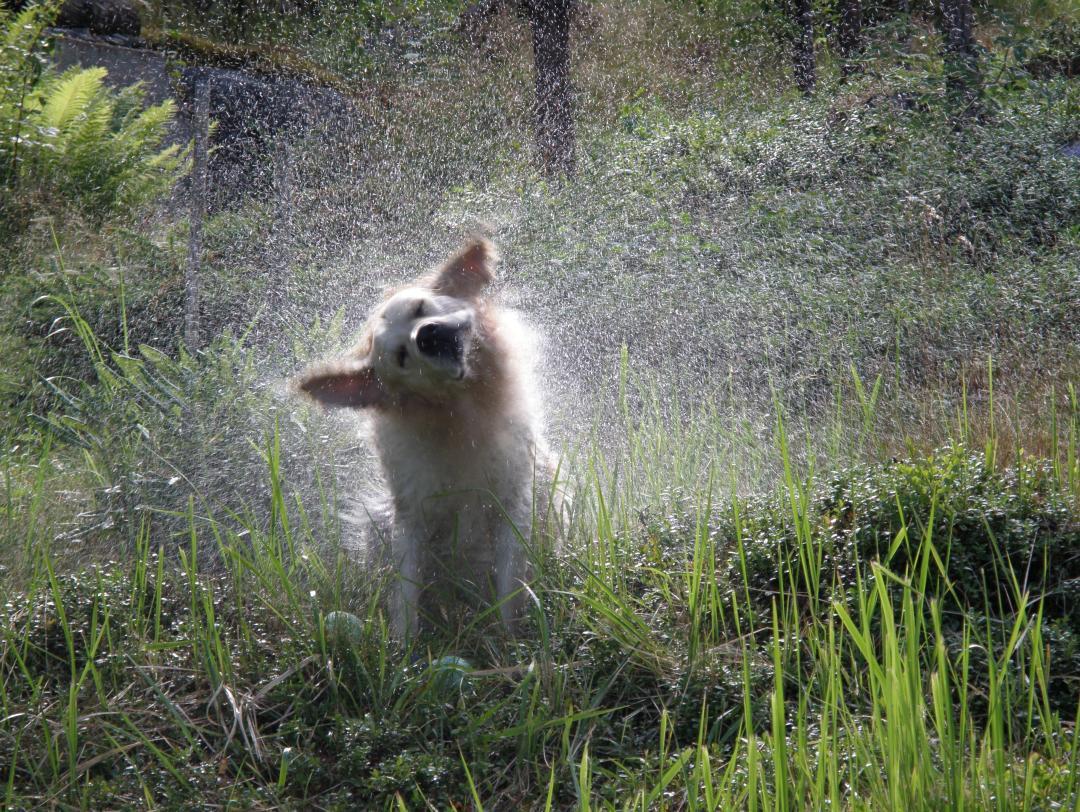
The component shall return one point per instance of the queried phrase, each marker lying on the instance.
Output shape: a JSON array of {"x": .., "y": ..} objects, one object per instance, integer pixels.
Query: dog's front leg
[
  {"x": 509, "y": 574},
  {"x": 404, "y": 610}
]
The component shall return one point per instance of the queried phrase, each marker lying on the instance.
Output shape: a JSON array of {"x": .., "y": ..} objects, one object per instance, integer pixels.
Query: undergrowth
[
  {"x": 895, "y": 635},
  {"x": 827, "y": 503},
  {"x": 67, "y": 142}
]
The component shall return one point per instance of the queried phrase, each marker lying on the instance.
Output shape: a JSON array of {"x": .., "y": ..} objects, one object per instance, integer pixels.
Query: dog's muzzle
[{"x": 442, "y": 341}]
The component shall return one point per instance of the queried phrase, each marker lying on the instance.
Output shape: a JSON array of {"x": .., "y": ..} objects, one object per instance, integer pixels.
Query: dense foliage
[
  {"x": 684, "y": 642},
  {"x": 812, "y": 362},
  {"x": 66, "y": 140}
]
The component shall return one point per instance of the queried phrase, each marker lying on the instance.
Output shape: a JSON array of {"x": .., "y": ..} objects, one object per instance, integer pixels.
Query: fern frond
[
  {"x": 128, "y": 103},
  {"x": 146, "y": 128},
  {"x": 23, "y": 29},
  {"x": 71, "y": 134},
  {"x": 89, "y": 130},
  {"x": 71, "y": 96},
  {"x": 20, "y": 67}
]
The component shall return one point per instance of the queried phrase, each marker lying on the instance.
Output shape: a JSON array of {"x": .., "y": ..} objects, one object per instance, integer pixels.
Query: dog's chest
[{"x": 469, "y": 479}]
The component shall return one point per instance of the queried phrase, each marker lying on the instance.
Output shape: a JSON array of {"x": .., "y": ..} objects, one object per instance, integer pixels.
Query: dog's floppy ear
[
  {"x": 468, "y": 271},
  {"x": 351, "y": 383}
]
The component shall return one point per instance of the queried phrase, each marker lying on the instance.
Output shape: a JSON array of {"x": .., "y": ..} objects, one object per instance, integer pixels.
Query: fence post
[
  {"x": 200, "y": 124},
  {"x": 282, "y": 225}
]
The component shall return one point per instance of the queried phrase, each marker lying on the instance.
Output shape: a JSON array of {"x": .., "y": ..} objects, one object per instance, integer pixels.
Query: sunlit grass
[
  {"x": 842, "y": 577},
  {"x": 691, "y": 649}
]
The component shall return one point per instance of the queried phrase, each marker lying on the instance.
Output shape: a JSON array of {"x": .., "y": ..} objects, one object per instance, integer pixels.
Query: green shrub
[
  {"x": 780, "y": 245},
  {"x": 1056, "y": 51},
  {"x": 1001, "y": 537},
  {"x": 163, "y": 429},
  {"x": 990, "y": 527},
  {"x": 68, "y": 140}
]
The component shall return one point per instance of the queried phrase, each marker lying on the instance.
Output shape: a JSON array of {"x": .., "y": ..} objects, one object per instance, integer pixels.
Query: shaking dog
[{"x": 447, "y": 378}]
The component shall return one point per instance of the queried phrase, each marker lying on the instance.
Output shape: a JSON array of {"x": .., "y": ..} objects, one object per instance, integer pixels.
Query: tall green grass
[
  {"x": 693, "y": 647},
  {"x": 841, "y": 608}
]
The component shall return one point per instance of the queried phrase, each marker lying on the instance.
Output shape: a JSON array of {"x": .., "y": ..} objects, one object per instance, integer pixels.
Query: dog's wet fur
[{"x": 447, "y": 378}]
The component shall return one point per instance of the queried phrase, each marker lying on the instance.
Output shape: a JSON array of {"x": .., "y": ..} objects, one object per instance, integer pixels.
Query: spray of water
[{"x": 740, "y": 247}]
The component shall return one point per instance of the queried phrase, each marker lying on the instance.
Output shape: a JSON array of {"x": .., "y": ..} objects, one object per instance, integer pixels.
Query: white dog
[{"x": 447, "y": 378}]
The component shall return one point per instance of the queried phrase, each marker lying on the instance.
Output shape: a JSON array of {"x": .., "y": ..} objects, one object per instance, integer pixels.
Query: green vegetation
[
  {"x": 899, "y": 636},
  {"x": 332, "y": 42},
  {"x": 825, "y": 550},
  {"x": 68, "y": 139}
]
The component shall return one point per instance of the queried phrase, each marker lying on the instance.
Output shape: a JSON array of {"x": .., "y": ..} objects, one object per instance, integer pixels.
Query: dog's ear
[
  {"x": 351, "y": 383},
  {"x": 468, "y": 271}
]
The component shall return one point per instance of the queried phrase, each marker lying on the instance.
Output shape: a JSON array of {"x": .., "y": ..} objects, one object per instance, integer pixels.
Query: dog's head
[{"x": 420, "y": 342}]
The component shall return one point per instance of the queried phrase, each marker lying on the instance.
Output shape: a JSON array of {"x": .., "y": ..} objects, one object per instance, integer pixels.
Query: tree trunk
[
  {"x": 958, "y": 19},
  {"x": 805, "y": 63},
  {"x": 850, "y": 35},
  {"x": 961, "y": 63},
  {"x": 554, "y": 114}
]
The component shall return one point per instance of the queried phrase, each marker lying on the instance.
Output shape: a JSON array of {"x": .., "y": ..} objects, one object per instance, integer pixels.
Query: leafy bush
[
  {"x": 781, "y": 245},
  {"x": 1056, "y": 51},
  {"x": 996, "y": 530},
  {"x": 163, "y": 430},
  {"x": 69, "y": 140},
  {"x": 1004, "y": 543}
]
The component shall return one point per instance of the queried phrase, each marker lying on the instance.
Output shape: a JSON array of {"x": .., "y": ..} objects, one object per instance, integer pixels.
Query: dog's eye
[
  {"x": 402, "y": 356},
  {"x": 419, "y": 312}
]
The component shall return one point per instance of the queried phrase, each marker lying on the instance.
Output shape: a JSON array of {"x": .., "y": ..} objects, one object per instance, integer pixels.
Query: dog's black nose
[{"x": 440, "y": 341}]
